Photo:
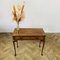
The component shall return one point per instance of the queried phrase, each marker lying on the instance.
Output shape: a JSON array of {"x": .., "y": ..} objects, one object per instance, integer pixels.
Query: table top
[{"x": 29, "y": 32}]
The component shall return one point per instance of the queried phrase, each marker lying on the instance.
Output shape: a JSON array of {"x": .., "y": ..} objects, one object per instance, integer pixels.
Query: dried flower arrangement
[{"x": 18, "y": 16}]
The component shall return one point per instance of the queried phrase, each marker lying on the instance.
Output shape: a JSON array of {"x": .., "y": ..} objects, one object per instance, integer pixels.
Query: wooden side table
[{"x": 29, "y": 34}]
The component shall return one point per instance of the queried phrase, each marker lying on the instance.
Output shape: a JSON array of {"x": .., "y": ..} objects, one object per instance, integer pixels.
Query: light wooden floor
[{"x": 29, "y": 50}]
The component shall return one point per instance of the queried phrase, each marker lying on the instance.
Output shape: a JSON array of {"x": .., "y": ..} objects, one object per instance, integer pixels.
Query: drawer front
[{"x": 28, "y": 38}]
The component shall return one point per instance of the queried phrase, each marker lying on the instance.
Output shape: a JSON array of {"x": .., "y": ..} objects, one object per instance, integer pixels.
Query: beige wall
[{"x": 39, "y": 13}]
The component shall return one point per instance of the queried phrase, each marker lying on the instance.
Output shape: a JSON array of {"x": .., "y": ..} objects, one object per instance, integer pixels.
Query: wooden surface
[
  {"x": 29, "y": 32},
  {"x": 29, "y": 50}
]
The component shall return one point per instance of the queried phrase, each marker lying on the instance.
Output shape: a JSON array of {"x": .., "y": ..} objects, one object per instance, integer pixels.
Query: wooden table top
[{"x": 29, "y": 32}]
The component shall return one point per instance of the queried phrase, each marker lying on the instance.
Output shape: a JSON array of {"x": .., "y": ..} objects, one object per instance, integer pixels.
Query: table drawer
[{"x": 28, "y": 38}]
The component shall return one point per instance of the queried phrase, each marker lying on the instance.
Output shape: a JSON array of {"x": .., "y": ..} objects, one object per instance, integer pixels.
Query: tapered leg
[
  {"x": 39, "y": 43},
  {"x": 43, "y": 46},
  {"x": 14, "y": 47},
  {"x": 17, "y": 44}
]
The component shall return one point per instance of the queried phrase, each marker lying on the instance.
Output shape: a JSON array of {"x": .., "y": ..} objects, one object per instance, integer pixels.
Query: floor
[{"x": 29, "y": 50}]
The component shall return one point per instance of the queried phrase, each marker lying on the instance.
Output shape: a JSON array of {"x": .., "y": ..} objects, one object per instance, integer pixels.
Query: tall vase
[{"x": 18, "y": 27}]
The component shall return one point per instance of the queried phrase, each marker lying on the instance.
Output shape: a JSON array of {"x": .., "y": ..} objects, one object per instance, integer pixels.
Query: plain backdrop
[{"x": 38, "y": 14}]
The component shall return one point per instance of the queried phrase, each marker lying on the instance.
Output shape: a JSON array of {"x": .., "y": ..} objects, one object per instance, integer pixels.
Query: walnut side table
[{"x": 29, "y": 34}]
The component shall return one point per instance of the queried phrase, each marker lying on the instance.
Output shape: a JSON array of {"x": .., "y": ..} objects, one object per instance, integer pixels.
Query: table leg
[
  {"x": 14, "y": 47},
  {"x": 39, "y": 43},
  {"x": 17, "y": 44},
  {"x": 43, "y": 46}
]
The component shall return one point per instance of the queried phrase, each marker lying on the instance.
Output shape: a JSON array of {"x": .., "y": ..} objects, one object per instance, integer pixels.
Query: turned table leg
[
  {"x": 43, "y": 46},
  {"x": 14, "y": 47},
  {"x": 39, "y": 43},
  {"x": 17, "y": 44}
]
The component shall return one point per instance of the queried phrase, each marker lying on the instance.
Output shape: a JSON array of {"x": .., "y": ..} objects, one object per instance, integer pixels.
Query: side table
[{"x": 29, "y": 34}]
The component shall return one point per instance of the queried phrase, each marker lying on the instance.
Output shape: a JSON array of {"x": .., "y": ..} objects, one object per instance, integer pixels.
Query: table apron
[{"x": 28, "y": 37}]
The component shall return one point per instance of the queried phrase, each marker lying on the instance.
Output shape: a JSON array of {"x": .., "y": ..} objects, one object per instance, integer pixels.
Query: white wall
[{"x": 39, "y": 13}]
